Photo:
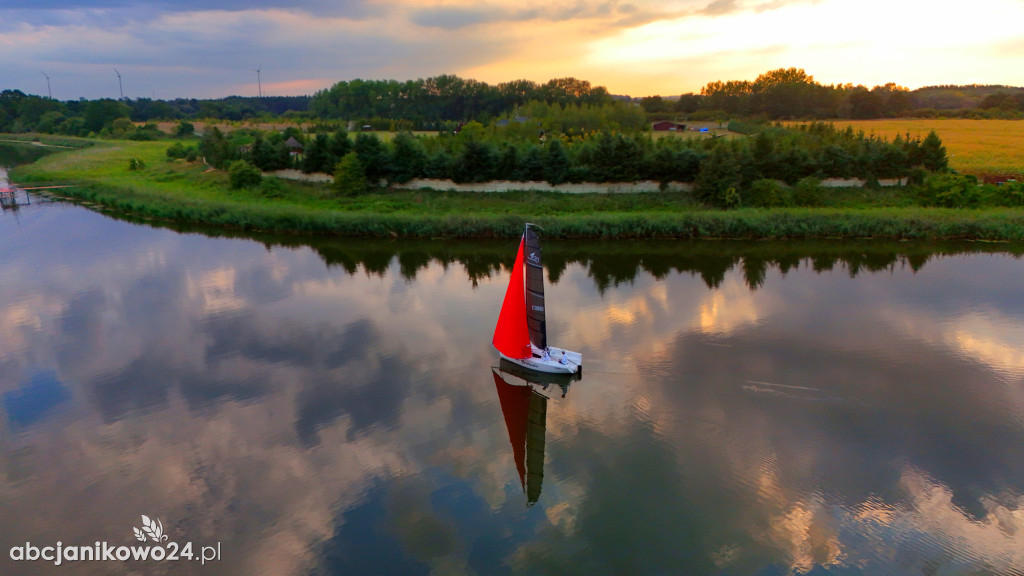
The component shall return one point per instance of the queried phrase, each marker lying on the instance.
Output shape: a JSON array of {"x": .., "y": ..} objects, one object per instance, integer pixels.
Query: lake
[{"x": 281, "y": 405}]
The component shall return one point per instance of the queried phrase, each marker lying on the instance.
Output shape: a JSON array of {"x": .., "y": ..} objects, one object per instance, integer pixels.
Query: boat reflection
[{"x": 523, "y": 396}]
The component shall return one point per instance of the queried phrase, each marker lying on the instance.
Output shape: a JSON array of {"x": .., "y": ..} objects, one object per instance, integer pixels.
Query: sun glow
[{"x": 910, "y": 45}]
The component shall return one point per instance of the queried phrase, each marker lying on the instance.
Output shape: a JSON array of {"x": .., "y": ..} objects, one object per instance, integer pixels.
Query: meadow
[
  {"x": 974, "y": 146},
  {"x": 158, "y": 189}
]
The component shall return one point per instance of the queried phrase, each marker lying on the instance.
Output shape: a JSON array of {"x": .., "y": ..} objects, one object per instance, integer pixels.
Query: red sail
[{"x": 511, "y": 336}]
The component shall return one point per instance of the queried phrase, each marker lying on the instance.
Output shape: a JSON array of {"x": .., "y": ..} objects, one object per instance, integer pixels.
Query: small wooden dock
[{"x": 11, "y": 197}]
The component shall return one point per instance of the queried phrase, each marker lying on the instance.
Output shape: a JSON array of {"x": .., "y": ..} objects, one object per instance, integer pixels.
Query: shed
[
  {"x": 666, "y": 126},
  {"x": 294, "y": 146},
  {"x": 517, "y": 119},
  {"x": 998, "y": 179}
]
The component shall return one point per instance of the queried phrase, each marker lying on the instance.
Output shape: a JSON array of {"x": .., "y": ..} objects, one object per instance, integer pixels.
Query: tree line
[
  {"x": 425, "y": 103},
  {"x": 719, "y": 167},
  {"x": 791, "y": 93},
  {"x": 436, "y": 103},
  {"x": 20, "y": 112}
]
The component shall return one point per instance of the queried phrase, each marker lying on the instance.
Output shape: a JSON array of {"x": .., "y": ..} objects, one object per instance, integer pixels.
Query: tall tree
[
  {"x": 373, "y": 156},
  {"x": 215, "y": 149},
  {"x": 408, "y": 158},
  {"x": 719, "y": 173},
  {"x": 508, "y": 163},
  {"x": 654, "y": 104},
  {"x": 349, "y": 176},
  {"x": 688, "y": 103},
  {"x": 865, "y": 104},
  {"x": 102, "y": 113},
  {"x": 339, "y": 144},
  {"x": 476, "y": 163},
  {"x": 316, "y": 157},
  {"x": 532, "y": 166},
  {"x": 556, "y": 163},
  {"x": 933, "y": 153}
]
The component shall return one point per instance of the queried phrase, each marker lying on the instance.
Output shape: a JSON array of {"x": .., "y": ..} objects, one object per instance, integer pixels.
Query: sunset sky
[{"x": 212, "y": 48}]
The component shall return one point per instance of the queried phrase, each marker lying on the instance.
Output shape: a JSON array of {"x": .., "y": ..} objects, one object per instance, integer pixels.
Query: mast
[{"x": 535, "y": 317}]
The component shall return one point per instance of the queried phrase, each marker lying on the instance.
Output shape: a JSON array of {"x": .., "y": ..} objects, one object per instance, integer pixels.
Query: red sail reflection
[{"x": 525, "y": 410}]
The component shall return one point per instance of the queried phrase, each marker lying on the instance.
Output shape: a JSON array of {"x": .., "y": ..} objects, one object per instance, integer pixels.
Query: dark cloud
[
  {"x": 453, "y": 18},
  {"x": 365, "y": 545},
  {"x": 143, "y": 385},
  {"x": 349, "y": 7},
  {"x": 719, "y": 7},
  {"x": 375, "y": 399},
  {"x": 346, "y": 373}
]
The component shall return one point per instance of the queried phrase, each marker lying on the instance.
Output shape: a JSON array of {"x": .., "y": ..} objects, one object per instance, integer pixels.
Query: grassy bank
[{"x": 189, "y": 193}]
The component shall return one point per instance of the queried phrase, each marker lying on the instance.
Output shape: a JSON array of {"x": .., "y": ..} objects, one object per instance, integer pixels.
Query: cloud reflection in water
[{"x": 741, "y": 411}]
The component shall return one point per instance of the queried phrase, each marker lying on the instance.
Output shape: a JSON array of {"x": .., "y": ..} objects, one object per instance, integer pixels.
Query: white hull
[{"x": 553, "y": 364}]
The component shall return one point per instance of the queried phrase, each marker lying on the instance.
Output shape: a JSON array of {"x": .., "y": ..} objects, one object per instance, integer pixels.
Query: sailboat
[{"x": 521, "y": 334}]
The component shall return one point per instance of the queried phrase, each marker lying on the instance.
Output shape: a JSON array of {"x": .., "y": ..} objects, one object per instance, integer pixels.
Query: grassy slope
[{"x": 188, "y": 193}]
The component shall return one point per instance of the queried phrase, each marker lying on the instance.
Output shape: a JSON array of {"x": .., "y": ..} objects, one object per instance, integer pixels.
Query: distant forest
[
  {"x": 435, "y": 103},
  {"x": 793, "y": 94}
]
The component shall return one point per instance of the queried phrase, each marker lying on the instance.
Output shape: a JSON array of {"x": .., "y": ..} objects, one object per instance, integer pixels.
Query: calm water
[{"x": 845, "y": 408}]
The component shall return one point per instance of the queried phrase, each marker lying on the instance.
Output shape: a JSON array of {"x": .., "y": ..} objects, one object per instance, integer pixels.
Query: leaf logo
[{"x": 152, "y": 528}]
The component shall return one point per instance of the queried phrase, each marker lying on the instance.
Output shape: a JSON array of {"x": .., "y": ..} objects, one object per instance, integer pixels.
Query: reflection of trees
[
  {"x": 610, "y": 263},
  {"x": 613, "y": 262},
  {"x": 15, "y": 154}
]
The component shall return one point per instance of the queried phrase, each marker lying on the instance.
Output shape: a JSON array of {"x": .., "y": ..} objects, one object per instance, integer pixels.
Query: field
[
  {"x": 974, "y": 146},
  {"x": 188, "y": 193}
]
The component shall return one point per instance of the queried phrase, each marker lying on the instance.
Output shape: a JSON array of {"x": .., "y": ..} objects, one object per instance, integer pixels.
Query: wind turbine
[
  {"x": 48, "y": 91},
  {"x": 259, "y": 83},
  {"x": 119, "y": 86}
]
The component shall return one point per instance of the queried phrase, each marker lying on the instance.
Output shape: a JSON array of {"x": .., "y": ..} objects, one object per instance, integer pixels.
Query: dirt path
[{"x": 34, "y": 143}]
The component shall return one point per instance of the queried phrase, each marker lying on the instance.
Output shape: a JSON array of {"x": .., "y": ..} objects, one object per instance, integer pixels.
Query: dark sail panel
[
  {"x": 536, "y": 424},
  {"x": 535, "y": 318}
]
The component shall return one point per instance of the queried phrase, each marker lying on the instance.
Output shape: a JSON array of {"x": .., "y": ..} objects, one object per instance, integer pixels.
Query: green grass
[{"x": 189, "y": 193}]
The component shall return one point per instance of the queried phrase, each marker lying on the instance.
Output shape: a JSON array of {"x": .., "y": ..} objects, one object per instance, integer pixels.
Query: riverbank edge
[
  {"x": 141, "y": 199},
  {"x": 749, "y": 223}
]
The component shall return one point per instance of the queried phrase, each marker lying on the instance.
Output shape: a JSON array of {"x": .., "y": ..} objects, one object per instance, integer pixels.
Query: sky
[{"x": 168, "y": 49}]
